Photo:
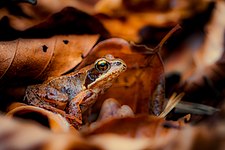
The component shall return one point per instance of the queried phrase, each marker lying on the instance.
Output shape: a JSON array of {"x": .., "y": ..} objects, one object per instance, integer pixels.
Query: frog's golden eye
[{"x": 102, "y": 65}]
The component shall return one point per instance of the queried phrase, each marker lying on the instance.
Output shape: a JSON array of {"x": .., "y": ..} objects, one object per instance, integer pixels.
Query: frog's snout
[{"x": 121, "y": 63}]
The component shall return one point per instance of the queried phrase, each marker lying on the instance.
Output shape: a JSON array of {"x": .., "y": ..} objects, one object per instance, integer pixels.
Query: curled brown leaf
[
  {"x": 54, "y": 122},
  {"x": 25, "y": 15},
  {"x": 20, "y": 134},
  {"x": 138, "y": 126},
  {"x": 27, "y": 59}
]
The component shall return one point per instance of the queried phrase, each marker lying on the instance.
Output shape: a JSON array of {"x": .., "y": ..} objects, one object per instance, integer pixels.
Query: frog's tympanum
[{"x": 72, "y": 94}]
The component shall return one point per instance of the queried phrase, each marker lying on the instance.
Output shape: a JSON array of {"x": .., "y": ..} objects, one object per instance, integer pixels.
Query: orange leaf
[
  {"x": 142, "y": 86},
  {"x": 137, "y": 127},
  {"x": 41, "y": 58}
]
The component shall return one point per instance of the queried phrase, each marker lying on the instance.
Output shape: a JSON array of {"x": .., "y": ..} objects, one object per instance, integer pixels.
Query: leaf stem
[{"x": 168, "y": 35}]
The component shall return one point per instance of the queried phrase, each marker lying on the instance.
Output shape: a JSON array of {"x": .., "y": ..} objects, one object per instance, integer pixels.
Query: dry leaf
[
  {"x": 125, "y": 22},
  {"x": 144, "y": 71},
  {"x": 213, "y": 45},
  {"x": 113, "y": 142},
  {"x": 67, "y": 21},
  {"x": 25, "y": 15},
  {"x": 201, "y": 64},
  {"x": 210, "y": 54},
  {"x": 189, "y": 138},
  {"x": 139, "y": 126},
  {"x": 20, "y": 134},
  {"x": 47, "y": 47},
  {"x": 55, "y": 122},
  {"x": 26, "y": 59}
]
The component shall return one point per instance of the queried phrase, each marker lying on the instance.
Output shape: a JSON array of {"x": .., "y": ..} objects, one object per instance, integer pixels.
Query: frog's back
[
  {"x": 70, "y": 85},
  {"x": 63, "y": 89}
]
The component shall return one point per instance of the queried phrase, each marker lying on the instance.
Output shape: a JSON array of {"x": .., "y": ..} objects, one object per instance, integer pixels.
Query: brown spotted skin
[{"x": 71, "y": 95}]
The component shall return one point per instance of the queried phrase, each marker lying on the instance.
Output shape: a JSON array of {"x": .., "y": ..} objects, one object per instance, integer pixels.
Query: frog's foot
[
  {"x": 72, "y": 119},
  {"x": 80, "y": 103}
]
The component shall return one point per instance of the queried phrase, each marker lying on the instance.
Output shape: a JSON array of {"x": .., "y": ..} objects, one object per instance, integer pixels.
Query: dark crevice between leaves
[
  {"x": 34, "y": 116},
  {"x": 6, "y": 31},
  {"x": 146, "y": 50},
  {"x": 67, "y": 21},
  {"x": 147, "y": 5},
  {"x": 172, "y": 81},
  {"x": 17, "y": 11},
  {"x": 9, "y": 3}
]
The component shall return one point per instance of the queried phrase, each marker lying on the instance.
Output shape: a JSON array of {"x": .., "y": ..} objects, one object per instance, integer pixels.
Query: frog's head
[{"x": 102, "y": 73}]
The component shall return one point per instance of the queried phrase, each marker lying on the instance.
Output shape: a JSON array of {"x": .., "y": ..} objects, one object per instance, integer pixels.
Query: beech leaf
[
  {"x": 42, "y": 58},
  {"x": 144, "y": 71}
]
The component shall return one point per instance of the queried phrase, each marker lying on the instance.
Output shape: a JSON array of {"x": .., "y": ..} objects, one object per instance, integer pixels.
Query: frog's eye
[{"x": 102, "y": 65}]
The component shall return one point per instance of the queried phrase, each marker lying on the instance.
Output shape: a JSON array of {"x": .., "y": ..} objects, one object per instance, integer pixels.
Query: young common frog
[{"x": 72, "y": 94}]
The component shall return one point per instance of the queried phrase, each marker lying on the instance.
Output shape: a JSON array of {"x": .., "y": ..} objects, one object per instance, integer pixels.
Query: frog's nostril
[{"x": 118, "y": 63}]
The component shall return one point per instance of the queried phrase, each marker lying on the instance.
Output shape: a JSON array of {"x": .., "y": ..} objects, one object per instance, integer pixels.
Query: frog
[{"x": 73, "y": 94}]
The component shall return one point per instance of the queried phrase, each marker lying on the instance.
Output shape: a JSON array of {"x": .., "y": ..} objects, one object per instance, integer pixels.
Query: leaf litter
[{"x": 141, "y": 110}]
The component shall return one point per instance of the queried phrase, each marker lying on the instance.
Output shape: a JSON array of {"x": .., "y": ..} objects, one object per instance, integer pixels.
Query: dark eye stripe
[{"x": 92, "y": 75}]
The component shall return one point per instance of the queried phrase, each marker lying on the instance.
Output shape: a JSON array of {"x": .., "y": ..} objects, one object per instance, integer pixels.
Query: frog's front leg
[{"x": 80, "y": 103}]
